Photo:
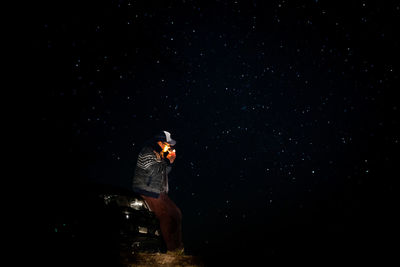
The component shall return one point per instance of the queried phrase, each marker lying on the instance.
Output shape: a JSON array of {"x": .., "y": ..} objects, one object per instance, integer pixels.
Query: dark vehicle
[{"x": 102, "y": 220}]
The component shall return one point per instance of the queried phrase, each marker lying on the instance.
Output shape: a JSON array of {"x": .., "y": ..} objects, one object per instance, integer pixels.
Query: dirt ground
[{"x": 144, "y": 259}]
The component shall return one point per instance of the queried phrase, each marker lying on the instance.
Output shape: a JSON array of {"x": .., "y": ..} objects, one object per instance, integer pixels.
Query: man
[{"x": 154, "y": 163}]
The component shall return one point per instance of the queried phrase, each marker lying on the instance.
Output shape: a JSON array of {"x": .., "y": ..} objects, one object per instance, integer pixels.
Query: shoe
[{"x": 176, "y": 252}]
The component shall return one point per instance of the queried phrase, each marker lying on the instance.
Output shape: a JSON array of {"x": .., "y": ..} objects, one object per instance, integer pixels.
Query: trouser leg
[
  {"x": 172, "y": 223},
  {"x": 170, "y": 218}
]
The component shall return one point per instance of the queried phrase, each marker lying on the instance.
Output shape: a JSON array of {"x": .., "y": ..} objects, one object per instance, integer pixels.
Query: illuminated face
[{"x": 165, "y": 146}]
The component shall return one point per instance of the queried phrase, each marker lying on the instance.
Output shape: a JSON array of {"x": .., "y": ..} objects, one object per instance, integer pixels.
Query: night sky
[{"x": 285, "y": 114}]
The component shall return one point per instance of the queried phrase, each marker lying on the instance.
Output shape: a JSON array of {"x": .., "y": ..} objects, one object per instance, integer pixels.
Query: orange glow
[{"x": 166, "y": 148}]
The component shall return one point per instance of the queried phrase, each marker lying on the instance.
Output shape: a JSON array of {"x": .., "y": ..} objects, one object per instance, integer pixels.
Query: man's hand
[{"x": 171, "y": 156}]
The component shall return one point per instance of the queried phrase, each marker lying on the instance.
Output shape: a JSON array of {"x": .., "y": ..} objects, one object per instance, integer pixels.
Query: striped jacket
[{"x": 151, "y": 173}]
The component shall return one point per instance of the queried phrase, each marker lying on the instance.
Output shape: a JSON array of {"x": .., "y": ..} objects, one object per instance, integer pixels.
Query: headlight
[
  {"x": 125, "y": 201},
  {"x": 138, "y": 204}
]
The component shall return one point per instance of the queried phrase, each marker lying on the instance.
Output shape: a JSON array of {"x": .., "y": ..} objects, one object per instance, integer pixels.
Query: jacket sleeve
[
  {"x": 169, "y": 168},
  {"x": 149, "y": 162}
]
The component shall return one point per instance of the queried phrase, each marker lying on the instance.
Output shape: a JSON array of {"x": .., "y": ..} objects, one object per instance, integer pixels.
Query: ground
[{"x": 144, "y": 259}]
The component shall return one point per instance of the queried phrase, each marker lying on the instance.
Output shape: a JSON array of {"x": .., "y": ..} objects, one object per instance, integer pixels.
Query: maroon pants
[{"x": 170, "y": 218}]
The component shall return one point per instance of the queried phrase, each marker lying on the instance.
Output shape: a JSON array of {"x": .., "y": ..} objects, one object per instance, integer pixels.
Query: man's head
[{"x": 166, "y": 143}]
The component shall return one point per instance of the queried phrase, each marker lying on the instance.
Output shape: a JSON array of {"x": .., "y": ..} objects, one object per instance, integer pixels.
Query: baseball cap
[{"x": 165, "y": 136}]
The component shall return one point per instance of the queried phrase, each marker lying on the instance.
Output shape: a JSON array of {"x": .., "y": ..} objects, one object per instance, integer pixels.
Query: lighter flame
[{"x": 166, "y": 148}]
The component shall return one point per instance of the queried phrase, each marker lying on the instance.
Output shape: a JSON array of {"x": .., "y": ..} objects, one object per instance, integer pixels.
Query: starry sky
[{"x": 284, "y": 113}]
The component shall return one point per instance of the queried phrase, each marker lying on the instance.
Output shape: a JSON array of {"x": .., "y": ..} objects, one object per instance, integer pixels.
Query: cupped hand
[{"x": 171, "y": 156}]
